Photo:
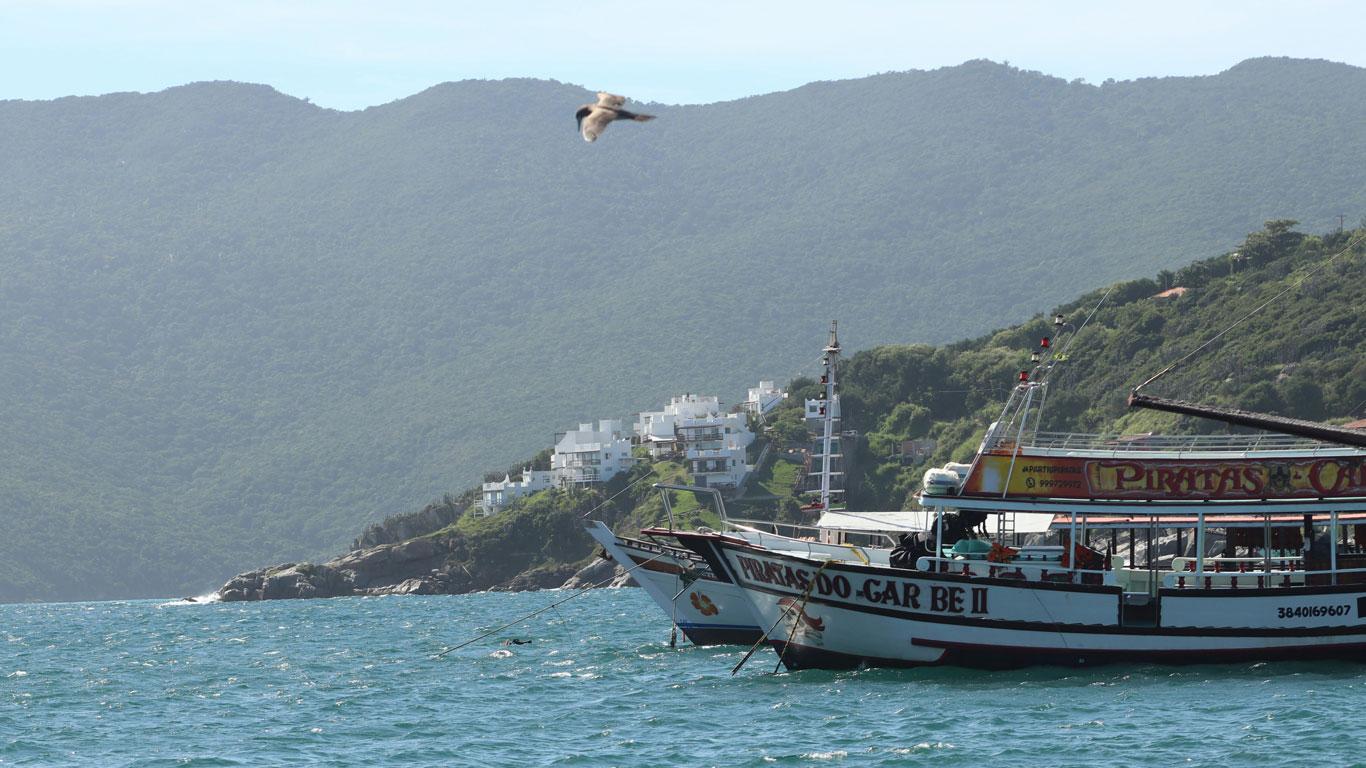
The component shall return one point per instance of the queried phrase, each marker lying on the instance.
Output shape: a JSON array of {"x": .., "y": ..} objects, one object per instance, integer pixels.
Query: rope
[
  {"x": 1356, "y": 240},
  {"x": 1062, "y": 353},
  {"x": 540, "y": 611},
  {"x": 764, "y": 637},
  {"x": 673, "y": 604},
  {"x": 801, "y": 610},
  {"x": 609, "y": 499}
]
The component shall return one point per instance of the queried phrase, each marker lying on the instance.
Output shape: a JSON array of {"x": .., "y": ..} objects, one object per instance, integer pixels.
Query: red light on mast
[{"x": 1044, "y": 343}]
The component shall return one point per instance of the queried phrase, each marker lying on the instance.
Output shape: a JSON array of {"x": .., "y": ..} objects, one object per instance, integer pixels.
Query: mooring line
[
  {"x": 764, "y": 637},
  {"x": 673, "y": 633},
  {"x": 540, "y": 611},
  {"x": 801, "y": 611}
]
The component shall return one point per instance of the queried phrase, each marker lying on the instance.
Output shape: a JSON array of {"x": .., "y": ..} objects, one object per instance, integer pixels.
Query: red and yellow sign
[{"x": 1167, "y": 479}]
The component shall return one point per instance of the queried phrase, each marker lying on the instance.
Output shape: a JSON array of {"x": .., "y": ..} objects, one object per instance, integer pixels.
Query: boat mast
[{"x": 830, "y": 404}]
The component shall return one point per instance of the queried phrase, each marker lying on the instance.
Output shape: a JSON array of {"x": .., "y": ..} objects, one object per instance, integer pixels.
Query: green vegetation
[
  {"x": 237, "y": 328},
  {"x": 1304, "y": 356}
]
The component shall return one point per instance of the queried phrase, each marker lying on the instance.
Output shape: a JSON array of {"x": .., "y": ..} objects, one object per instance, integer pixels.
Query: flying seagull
[{"x": 593, "y": 118}]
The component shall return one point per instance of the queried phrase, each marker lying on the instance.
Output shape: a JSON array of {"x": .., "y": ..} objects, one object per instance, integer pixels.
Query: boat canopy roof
[
  {"x": 1174, "y": 446},
  {"x": 917, "y": 520},
  {"x": 1214, "y": 512},
  {"x": 1063, "y": 522},
  {"x": 904, "y": 520}
]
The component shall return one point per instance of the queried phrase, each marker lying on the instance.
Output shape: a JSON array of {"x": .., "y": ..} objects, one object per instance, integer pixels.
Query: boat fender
[
  {"x": 959, "y": 469},
  {"x": 940, "y": 481}
]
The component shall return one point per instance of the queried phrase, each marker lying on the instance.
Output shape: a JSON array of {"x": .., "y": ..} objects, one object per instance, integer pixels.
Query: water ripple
[{"x": 354, "y": 682}]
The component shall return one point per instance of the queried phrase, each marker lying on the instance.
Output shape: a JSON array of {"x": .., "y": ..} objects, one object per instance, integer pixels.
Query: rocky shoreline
[{"x": 422, "y": 566}]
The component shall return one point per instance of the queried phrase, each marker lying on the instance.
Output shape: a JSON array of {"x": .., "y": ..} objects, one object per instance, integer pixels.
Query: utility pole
[{"x": 1341, "y": 220}]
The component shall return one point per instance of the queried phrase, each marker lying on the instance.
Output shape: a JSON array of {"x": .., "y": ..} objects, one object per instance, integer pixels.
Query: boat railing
[
  {"x": 874, "y": 536},
  {"x": 1050, "y": 570},
  {"x": 790, "y": 530},
  {"x": 1262, "y": 579},
  {"x": 1225, "y": 564},
  {"x": 1078, "y": 441},
  {"x": 806, "y": 545}
]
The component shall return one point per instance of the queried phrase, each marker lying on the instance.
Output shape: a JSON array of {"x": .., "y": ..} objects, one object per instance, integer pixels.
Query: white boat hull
[
  {"x": 855, "y": 615},
  {"x": 708, "y": 610}
]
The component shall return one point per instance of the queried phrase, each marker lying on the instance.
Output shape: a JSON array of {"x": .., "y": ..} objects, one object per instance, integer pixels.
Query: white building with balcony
[
  {"x": 588, "y": 455},
  {"x": 764, "y": 398},
  {"x": 714, "y": 448},
  {"x": 501, "y": 493},
  {"x": 712, "y": 443},
  {"x": 658, "y": 430}
]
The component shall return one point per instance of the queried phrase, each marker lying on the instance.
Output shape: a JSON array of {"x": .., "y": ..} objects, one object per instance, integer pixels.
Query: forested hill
[
  {"x": 1303, "y": 354},
  {"x": 235, "y": 327}
]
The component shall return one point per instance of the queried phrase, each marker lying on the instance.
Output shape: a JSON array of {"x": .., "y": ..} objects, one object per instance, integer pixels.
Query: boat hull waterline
[
  {"x": 858, "y": 615},
  {"x": 708, "y": 610}
]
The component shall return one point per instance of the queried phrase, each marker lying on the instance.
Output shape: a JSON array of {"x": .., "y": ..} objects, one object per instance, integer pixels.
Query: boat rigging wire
[
  {"x": 1350, "y": 245},
  {"x": 1062, "y": 353},
  {"x": 540, "y": 611},
  {"x": 1061, "y": 356},
  {"x": 609, "y": 499}
]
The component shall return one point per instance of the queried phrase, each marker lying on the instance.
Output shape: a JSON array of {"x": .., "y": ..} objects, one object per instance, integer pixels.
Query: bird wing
[
  {"x": 583, "y": 112},
  {"x": 595, "y": 122},
  {"x": 606, "y": 99}
]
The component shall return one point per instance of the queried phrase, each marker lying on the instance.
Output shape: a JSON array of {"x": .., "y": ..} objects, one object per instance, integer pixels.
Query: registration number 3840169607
[{"x": 1312, "y": 611}]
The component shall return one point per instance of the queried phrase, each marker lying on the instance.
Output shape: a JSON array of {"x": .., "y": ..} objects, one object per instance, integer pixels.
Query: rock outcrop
[
  {"x": 420, "y": 566},
  {"x": 415, "y": 567},
  {"x": 399, "y": 528},
  {"x": 597, "y": 572}
]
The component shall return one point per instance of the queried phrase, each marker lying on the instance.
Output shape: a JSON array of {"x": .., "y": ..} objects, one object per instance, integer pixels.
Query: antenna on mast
[{"x": 833, "y": 346}]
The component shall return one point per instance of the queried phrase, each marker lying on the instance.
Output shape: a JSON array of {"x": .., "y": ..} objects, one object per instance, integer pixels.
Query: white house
[
  {"x": 712, "y": 443},
  {"x": 714, "y": 448},
  {"x": 499, "y": 494},
  {"x": 588, "y": 455},
  {"x": 658, "y": 430},
  {"x": 764, "y": 398}
]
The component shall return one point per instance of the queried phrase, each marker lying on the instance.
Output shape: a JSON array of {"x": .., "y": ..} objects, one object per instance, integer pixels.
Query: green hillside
[
  {"x": 1303, "y": 356},
  {"x": 237, "y": 327}
]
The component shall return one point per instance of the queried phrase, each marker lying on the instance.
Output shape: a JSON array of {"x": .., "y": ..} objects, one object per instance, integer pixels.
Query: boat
[
  {"x": 705, "y": 604},
  {"x": 1289, "y": 583},
  {"x": 708, "y": 609}
]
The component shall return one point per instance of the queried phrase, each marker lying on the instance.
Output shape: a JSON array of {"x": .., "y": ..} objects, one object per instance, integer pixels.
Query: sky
[{"x": 350, "y": 54}]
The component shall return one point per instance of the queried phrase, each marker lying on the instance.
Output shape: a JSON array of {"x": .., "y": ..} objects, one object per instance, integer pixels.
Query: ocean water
[{"x": 357, "y": 682}]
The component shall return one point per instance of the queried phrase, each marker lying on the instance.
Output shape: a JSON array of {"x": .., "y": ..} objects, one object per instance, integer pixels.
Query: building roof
[{"x": 1171, "y": 293}]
